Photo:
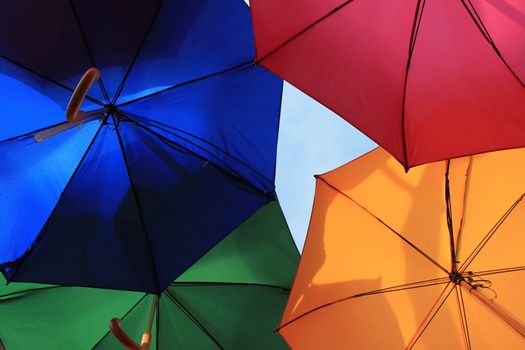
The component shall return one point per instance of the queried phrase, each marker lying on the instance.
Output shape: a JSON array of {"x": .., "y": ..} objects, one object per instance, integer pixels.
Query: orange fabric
[{"x": 375, "y": 227}]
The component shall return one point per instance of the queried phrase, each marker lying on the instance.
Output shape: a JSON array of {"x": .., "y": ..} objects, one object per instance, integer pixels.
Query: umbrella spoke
[
  {"x": 413, "y": 35},
  {"x": 464, "y": 322},
  {"x": 295, "y": 36},
  {"x": 465, "y": 198},
  {"x": 165, "y": 127},
  {"x": 146, "y": 35},
  {"x": 122, "y": 318},
  {"x": 419, "y": 250},
  {"x": 22, "y": 259},
  {"x": 139, "y": 207},
  {"x": 211, "y": 75},
  {"x": 88, "y": 49},
  {"x": 479, "y": 24},
  {"x": 414, "y": 285},
  {"x": 179, "y": 147},
  {"x": 94, "y": 100},
  {"x": 502, "y": 270},
  {"x": 225, "y": 284},
  {"x": 489, "y": 235},
  {"x": 440, "y": 301},
  {"x": 191, "y": 317}
]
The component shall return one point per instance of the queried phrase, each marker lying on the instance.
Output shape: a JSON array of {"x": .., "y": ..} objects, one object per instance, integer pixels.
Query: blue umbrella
[{"x": 175, "y": 148}]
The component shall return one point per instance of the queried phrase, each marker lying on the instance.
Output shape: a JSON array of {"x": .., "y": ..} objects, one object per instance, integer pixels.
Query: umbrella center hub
[
  {"x": 111, "y": 108},
  {"x": 456, "y": 277}
]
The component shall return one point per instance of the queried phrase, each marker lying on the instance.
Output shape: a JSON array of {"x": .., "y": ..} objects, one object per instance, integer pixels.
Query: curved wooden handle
[
  {"x": 83, "y": 86},
  {"x": 122, "y": 337}
]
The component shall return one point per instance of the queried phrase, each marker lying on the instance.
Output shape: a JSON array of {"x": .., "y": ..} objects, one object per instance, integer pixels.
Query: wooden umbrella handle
[
  {"x": 122, "y": 337},
  {"x": 115, "y": 325},
  {"x": 83, "y": 86}
]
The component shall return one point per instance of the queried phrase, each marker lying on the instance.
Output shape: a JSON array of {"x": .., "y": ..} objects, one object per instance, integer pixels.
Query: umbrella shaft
[{"x": 504, "y": 315}]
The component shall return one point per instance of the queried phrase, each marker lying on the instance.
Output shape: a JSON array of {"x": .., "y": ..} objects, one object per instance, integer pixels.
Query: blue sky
[{"x": 312, "y": 140}]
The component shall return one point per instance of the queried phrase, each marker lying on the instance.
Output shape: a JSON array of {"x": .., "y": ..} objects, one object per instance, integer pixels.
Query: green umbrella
[{"x": 232, "y": 298}]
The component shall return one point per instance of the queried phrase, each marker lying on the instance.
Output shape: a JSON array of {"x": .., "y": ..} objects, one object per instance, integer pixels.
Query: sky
[{"x": 312, "y": 140}]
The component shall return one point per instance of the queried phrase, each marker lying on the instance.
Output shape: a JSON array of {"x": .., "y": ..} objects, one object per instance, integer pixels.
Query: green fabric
[
  {"x": 235, "y": 294},
  {"x": 58, "y": 317},
  {"x": 261, "y": 250},
  {"x": 237, "y": 316},
  {"x": 178, "y": 331},
  {"x": 134, "y": 323}
]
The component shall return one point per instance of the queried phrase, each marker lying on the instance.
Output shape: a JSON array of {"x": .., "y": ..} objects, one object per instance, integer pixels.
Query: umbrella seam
[
  {"x": 88, "y": 49},
  {"x": 246, "y": 64},
  {"x": 386, "y": 225},
  {"x": 426, "y": 323},
  {"x": 408, "y": 286},
  {"x": 135, "y": 57},
  {"x": 139, "y": 208},
  {"x": 4, "y": 297},
  {"x": 163, "y": 128},
  {"x": 226, "y": 284},
  {"x": 489, "y": 235},
  {"x": 192, "y": 318},
  {"x": 172, "y": 144},
  {"x": 463, "y": 313},
  {"x": 24, "y": 257},
  {"x": 487, "y": 36},
  {"x": 121, "y": 318},
  {"x": 411, "y": 47},
  {"x": 42, "y": 76},
  {"x": 301, "y": 32}
]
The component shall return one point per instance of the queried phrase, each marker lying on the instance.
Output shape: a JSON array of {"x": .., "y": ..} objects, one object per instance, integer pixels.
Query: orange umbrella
[{"x": 432, "y": 259}]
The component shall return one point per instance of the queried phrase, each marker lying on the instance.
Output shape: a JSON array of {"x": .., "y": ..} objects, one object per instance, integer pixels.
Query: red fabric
[{"x": 458, "y": 96}]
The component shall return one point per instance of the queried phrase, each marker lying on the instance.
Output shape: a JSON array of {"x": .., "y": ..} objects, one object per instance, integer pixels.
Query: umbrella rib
[
  {"x": 225, "y": 284},
  {"x": 301, "y": 32},
  {"x": 5, "y": 296},
  {"x": 486, "y": 35},
  {"x": 174, "y": 145},
  {"x": 413, "y": 36},
  {"x": 33, "y": 132},
  {"x": 42, "y": 76},
  {"x": 430, "y": 316},
  {"x": 188, "y": 82},
  {"x": 139, "y": 207},
  {"x": 502, "y": 270},
  {"x": 465, "y": 201},
  {"x": 88, "y": 49},
  {"x": 450, "y": 225},
  {"x": 146, "y": 35},
  {"x": 387, "y": 226},
  {"x": 463, "y": 314},
  {"x": 122, "y": 318},
  {"x": 192, "y": 318},
  {"x": 408, "y": 286},
  {"x": 164, "y": 128},
  {"x": 157, "y": 330},
  {"x": 20, "y": 261},
  {"x": 489, "y": 235}
]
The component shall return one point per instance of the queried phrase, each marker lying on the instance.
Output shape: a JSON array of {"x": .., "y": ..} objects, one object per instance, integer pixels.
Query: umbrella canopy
[
  {"x": 179, "y": 149},
  {"x": 432, "y": 259},
  {"x": 426, "y": 79},
  {"x": 231, "y": 298}
]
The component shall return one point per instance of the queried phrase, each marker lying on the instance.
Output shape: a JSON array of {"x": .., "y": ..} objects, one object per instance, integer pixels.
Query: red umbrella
[{"x": 426, "y": 79}]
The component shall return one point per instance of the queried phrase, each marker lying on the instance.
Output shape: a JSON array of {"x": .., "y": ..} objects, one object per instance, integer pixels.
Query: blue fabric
[
  {"x": 231, "y": 112},
  {"x": 28, "y": 102},
  {"x": 191, "y": 39},
  {"x": 185, "y": 156},
  {"x": 94, "y": 237},
  {"x": 32, "y": 177}
]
